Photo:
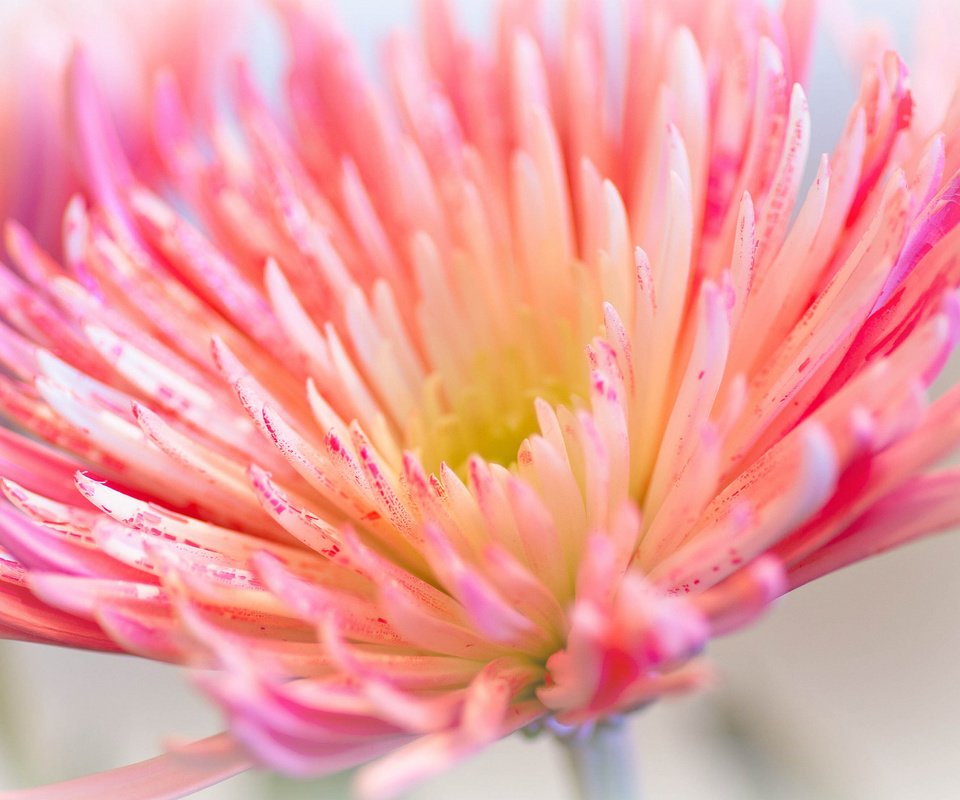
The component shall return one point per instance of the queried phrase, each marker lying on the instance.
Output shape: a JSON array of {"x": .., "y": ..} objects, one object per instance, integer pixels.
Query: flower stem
[{"x": 602, "y": 761}]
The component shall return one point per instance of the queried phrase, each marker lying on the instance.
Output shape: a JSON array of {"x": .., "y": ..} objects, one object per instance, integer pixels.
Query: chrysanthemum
[{"x": 419, "y": 414}]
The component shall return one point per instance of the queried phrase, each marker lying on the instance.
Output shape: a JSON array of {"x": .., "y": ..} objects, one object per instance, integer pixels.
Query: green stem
[{"x": 601, "y": 757}]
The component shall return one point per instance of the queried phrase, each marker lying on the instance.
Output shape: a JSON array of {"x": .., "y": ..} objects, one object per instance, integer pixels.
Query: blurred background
[{"x": 846, "y": 691}]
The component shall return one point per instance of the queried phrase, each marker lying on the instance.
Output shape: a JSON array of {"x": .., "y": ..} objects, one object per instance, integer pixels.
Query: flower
[
  {"x": 127, "y": 44},
  {"x": 415, "y": 417}
]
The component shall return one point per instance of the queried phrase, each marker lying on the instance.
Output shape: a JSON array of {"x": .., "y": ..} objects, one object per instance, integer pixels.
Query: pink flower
[
  {"x": 419, "y": 415},
  {"x": 126, "y": 43}
]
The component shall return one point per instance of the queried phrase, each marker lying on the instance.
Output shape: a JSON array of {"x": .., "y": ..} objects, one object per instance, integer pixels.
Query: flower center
[
  {"x": 493, "y": 339},
  {"x": 491, "y": 412}
]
